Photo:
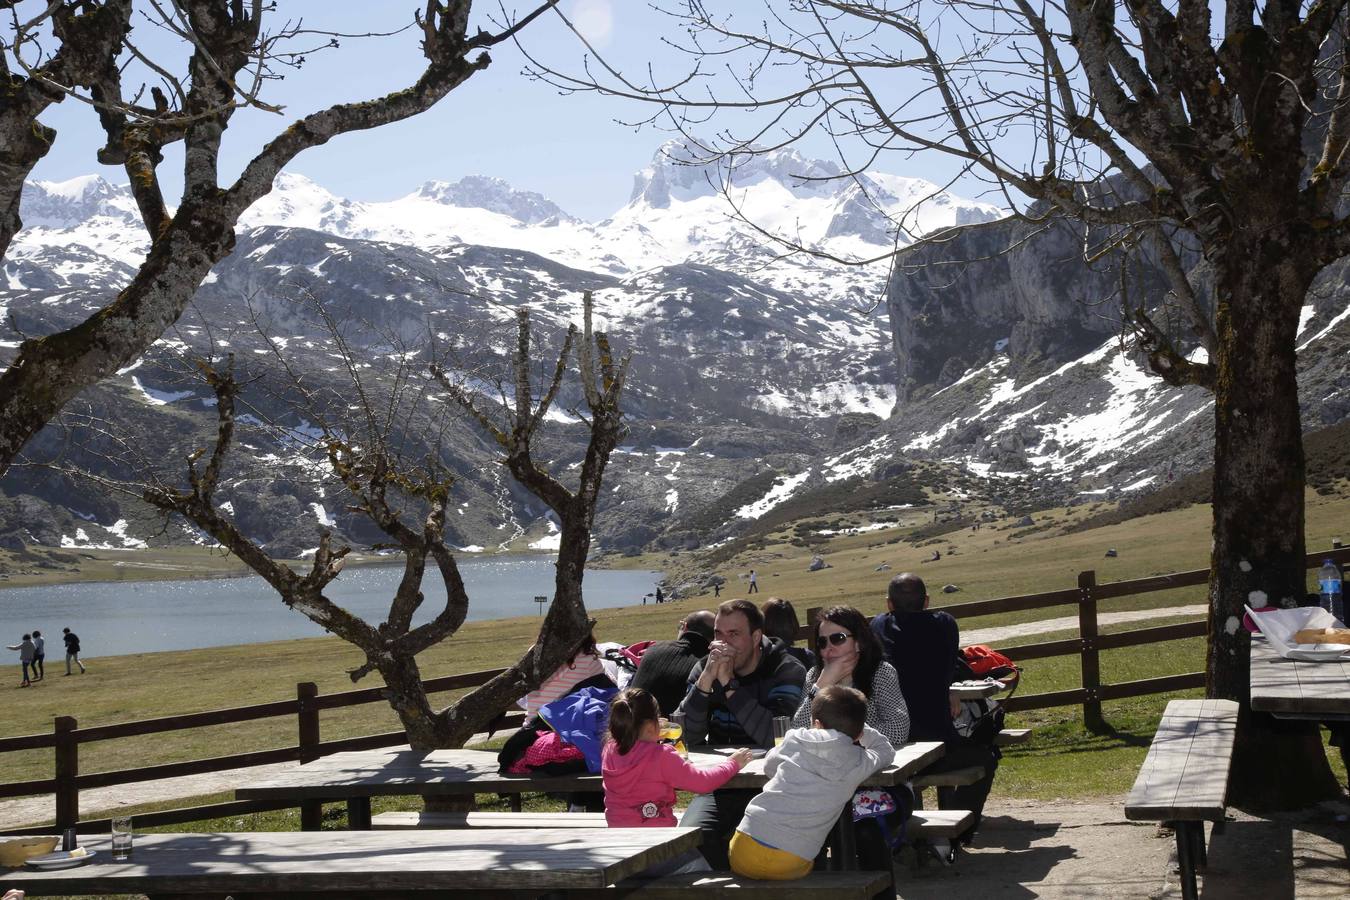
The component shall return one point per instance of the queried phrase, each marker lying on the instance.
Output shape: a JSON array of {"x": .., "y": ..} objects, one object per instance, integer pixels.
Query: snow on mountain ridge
[
  {"x": 495, "y": 195},
  {"x": 64, "y": 204},
  {"x": 684, "y": 221},
  {"x": 673, "y": 175}
]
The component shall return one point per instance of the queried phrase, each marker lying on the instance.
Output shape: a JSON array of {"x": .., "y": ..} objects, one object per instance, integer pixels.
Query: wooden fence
[{"x": 67, "y": 737}]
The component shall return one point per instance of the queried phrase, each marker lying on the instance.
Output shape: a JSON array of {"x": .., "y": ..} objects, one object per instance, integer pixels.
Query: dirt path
[{"x": 1001, "y": 634}]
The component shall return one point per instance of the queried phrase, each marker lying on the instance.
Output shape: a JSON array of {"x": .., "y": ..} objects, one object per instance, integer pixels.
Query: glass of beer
[
  {"x": 781, "y": 724},
  {"x": 672, "y": 732}
]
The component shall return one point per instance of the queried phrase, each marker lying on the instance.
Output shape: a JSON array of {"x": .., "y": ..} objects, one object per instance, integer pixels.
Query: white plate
[
  {"x": 61, "y": 859},
  {"x": 1314, "y": 652}
]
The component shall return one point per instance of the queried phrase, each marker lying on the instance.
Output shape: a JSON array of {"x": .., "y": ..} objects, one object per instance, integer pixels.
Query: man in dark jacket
[
  {"x": 665, "y": 666},
  {"x": 922, "y": 644},
  {"x": 734, "y": 694}
]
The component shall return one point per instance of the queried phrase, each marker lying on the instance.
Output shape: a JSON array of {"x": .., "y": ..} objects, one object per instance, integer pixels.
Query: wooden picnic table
[
  {"x": 374, "y": 863},
  {"x": 909, "y": 759},
  {"x": 1296, "y": 688},
  {"x": 358, "y": 776}
]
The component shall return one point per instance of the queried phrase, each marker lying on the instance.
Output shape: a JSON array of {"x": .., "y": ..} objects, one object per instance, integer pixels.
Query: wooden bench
[
  {"x": 954, "y": 778},
  {"x": 816, "y": 885},
  {"x": 402, "y": 821},
  {"x": 1184, "y": 780},
  {"x": 940, "y": 823}
]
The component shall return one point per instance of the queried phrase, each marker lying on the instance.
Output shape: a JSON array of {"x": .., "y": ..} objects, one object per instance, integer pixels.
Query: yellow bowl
[{"x": 15, "y": 851}]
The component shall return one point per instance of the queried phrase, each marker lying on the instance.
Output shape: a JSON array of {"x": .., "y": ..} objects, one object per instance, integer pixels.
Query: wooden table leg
[
  {"x": 451, "y": 803},
  {"x": 311, "y": 815},
  {"x": 358, "y": 813},
  {"x": 1186, "y": 859}
]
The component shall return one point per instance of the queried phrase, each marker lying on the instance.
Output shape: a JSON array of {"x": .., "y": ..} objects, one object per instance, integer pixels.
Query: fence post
[
  {"x": 1092, "y": 673},
  {"x": 67, "y": 767},
  {"x": 307, "y": 719}
]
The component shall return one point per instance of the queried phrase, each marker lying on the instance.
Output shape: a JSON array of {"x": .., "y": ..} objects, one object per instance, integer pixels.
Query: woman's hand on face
[{"x": 837, "y": 669}]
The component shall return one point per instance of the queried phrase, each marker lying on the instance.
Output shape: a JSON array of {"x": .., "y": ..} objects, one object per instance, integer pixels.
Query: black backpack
[{"x": 981, "y": 720}]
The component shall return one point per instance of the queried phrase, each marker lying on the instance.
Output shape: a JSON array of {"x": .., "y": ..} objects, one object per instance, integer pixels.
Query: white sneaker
[{"x": 944, "y": 851}]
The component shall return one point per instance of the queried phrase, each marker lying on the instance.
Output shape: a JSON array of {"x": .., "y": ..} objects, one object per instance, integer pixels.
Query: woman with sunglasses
[{"x": 848, "y": 653}]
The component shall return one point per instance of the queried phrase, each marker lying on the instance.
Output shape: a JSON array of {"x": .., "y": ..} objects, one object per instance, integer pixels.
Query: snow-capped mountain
[
  {"x": 678, "y": 214},
  {"x": 757, "y": 375}
]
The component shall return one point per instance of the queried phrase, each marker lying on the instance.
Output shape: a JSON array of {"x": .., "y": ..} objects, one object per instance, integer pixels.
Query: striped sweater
[{"x": 561, "y": 682}]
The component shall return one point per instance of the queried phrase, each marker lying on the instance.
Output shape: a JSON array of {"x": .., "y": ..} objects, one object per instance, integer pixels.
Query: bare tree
[
  {"x": 228, "y": 54},
  {"x": 382, "y": 485},
  {"x": 1165, "y": 127}
]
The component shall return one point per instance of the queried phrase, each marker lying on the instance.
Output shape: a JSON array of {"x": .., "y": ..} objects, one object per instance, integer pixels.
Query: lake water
[{"x": 116, "y": 618}]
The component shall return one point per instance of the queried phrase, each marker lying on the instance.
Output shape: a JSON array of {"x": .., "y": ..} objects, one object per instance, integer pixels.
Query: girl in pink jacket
[{"x": 641, "y": 775}]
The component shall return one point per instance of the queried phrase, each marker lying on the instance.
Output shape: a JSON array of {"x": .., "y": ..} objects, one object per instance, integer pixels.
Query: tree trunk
[
  {"x": 404, "y": 690},
  {"x": 1258, "y": 550}
]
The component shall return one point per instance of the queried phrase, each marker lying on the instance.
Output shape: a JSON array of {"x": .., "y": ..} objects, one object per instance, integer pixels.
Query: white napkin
[{"x": 1280, "y": 625}]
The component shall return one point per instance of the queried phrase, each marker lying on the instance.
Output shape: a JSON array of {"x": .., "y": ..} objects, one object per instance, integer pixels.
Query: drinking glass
[
  {"x": 781, "y": 724},
  {"x": 676, "y": 721},
  {"x": 121, "y": 837}
]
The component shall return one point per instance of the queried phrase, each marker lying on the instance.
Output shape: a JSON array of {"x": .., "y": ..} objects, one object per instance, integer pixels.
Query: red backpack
[{"x": 987, "y": 662}]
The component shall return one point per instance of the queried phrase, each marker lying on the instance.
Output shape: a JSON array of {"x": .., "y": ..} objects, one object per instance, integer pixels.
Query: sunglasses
[{"x": 836, "y": 639}]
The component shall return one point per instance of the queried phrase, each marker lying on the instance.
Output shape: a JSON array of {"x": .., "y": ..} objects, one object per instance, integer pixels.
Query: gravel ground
[{"x": 1063, "y": 850}]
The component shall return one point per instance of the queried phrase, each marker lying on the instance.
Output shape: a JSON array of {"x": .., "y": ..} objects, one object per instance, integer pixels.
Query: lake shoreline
[
  {"x": 165, "y": 614},
  {"x": 114, "y": 567}
]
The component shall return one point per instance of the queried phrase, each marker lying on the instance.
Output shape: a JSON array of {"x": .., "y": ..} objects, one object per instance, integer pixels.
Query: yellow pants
[{"x": 754, "y": 860}]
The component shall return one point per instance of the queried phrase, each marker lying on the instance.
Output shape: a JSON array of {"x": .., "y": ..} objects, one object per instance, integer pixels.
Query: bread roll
[{"x": 1323, "y": 636}]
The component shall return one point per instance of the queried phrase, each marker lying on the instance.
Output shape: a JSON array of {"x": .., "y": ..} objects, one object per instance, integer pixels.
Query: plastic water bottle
[{"x": 1329, "y": 580}]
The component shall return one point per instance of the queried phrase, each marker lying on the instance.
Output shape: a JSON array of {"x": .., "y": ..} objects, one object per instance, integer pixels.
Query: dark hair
[
  {"x": 700, "y": 623},
  {"x": 780, "y": 620},
  {"x": 870, "y": 652},
  {"x": 907, "y": 593},
  {"x": 27, "y": 637},
  {"x": 841, "y": 708},
  {"x": 36, "y": 633},
  {"x": 65, "y": 631},
  {"x": 628, "y": 712},
  {"x": 753, "y": 616}
]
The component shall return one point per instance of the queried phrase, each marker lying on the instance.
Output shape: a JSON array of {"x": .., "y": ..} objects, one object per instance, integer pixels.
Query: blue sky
[{"x": 499, "y": 123}]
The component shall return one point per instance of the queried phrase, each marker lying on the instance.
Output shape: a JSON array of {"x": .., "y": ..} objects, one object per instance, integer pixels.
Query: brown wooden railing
[{"x": 67, "y": 737}]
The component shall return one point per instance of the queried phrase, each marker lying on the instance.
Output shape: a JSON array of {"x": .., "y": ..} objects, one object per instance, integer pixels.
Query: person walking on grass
[
  {"x": 39, "y": 656},
  {"x": 26, "y": 652},
  {"x": 72, "y": 649},
  {"x": 754, "y": 583}
]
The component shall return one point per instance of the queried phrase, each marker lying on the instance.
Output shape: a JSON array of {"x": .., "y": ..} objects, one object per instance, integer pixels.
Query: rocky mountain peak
[
  {"x": 677, "y": 173},
  {"x": 494, "y": 195},
  {"x": 64, "y": 204}
]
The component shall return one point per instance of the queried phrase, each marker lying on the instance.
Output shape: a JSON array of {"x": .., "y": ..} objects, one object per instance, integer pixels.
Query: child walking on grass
[
  {"x": 641, "y": 775},
  {"x": 812, "y": 774}
]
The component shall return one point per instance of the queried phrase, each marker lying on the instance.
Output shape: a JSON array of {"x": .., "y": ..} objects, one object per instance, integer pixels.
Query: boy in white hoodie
[{"x": 812, "y": 774}]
